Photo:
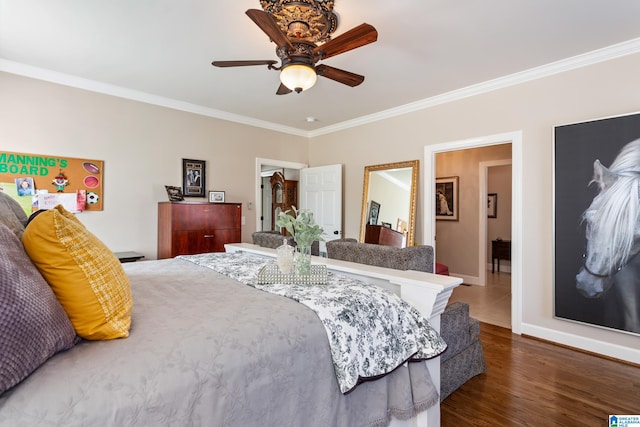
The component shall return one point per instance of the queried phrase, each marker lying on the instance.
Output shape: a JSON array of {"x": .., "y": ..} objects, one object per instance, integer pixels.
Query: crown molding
[
  {"x": 134, "y": 95},
  {"x": 601, "y": 55},
  {"x": 605, "y": 54}
]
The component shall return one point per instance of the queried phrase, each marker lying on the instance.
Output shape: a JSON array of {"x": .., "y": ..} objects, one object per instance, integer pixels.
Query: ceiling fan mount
[
  {"x": 301, "y": 30},
  {"x": 311, "y": 20}
]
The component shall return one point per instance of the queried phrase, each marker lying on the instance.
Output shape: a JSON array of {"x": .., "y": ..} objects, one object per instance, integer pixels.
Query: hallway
[{"x": 490, "y": 303}]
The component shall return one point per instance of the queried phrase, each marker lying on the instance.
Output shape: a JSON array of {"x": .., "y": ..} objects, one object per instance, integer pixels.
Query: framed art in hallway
[
  {"x": 492, "y": 205},
  {"x": 596, "y": 225},
  {"x": 446, "y": 202}
]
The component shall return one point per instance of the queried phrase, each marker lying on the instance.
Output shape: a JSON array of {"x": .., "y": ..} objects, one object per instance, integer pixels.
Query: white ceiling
[{"x": 160, "y": 51}]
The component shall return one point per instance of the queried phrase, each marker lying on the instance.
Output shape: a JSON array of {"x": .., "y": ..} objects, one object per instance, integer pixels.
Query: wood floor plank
[{"x": 536, "y": 383}]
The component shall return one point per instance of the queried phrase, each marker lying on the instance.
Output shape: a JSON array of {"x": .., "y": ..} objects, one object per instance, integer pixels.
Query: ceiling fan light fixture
[{"x": 298, "y": 77}]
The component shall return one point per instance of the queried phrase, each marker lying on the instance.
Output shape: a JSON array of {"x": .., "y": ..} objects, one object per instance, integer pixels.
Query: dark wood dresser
[
  {"x": 500, "y": 249},
  {"x": 187, "y": 228},
  {"x": 381, "y": 235}
]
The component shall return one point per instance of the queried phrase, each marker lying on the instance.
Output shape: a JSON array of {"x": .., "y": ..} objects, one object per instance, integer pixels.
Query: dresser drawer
[
  {"x": 206, "y": 216},
  {"x": 203, "y": 241}
]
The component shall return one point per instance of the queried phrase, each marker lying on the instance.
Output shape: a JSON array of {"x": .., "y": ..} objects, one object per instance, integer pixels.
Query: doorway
[
  {"x": 264, "y": 169},
  {"x": 515, "y": 139},
  {"x": 319, "y": 189}
]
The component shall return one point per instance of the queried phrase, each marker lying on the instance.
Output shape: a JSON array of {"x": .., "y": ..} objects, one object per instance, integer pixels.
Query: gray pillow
[
  {"x": 33, "y": 325},
  {"x": 12, "y": 215}
]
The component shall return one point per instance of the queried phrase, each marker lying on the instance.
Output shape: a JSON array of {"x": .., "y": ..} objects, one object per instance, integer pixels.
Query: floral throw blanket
[{"x": 370, "y": 330}]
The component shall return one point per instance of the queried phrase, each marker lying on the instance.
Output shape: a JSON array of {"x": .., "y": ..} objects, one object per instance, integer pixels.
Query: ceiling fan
[{"x": 301, "y": 31}]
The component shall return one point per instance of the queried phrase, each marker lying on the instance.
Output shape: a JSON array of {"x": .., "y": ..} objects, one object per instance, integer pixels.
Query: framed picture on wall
[
  {"x": 446, "y": 202},
  {"x": 492, "y": 205},
  {"x": 596, "y": 178},
  {"x": 193, "y": 178}
]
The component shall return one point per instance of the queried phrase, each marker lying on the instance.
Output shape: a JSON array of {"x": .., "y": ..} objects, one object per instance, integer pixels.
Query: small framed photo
[
  {"x": 216, "y": 196},
  {"x": 193, "y": 178},
  {"x": 447, "y": 198},
  {"x": 492, "y": 205},
  {"x": 386, "y": 224},
  {"x": 174, "y": 193}
]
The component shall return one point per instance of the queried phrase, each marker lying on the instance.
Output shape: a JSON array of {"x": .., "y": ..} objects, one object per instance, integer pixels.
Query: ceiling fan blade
[
  {"x": 270, "y": 27},
  {"x": 268, "y": 62},
  {"x": 359, "y": 36},
  {"x": 283, "y": 90},
  {"x": 341, "y": 76}
]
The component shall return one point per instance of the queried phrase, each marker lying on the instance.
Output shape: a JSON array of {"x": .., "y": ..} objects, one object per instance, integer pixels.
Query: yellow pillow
[{"x": 86, "y": 277}]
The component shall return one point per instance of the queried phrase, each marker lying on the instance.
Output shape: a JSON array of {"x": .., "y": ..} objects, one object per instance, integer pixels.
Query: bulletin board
[{"x": 40, "y": 181}]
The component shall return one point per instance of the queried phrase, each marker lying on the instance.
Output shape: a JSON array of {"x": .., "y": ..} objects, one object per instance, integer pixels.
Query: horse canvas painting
[
  {"x": 597, "y": 223},
  {"x": 612, "y": 233}
]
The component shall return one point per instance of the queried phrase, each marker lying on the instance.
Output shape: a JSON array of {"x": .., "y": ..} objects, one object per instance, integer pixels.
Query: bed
[{"x": 205, "y": 349}]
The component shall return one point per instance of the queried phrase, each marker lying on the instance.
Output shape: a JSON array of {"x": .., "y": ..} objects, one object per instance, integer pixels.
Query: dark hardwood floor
[{"x": 534, "y": 383}]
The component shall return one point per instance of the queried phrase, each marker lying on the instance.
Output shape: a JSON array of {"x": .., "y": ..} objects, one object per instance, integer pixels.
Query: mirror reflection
[{"x": 389, "y": 204}]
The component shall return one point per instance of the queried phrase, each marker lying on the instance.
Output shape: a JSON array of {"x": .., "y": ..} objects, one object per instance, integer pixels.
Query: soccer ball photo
[{"x": 92, "y": 198}]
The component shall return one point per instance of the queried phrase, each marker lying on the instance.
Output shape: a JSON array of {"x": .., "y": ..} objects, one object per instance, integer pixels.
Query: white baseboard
[
  {"x": 475, "y": 280},
  {"x": 468, "y": 280},
  {"x": 587, "y": 344}
]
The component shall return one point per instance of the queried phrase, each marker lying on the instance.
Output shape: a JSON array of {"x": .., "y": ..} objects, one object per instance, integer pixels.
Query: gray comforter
[
  {"x": 370, "y": 330},
  {"x": 205, "y": 350}
]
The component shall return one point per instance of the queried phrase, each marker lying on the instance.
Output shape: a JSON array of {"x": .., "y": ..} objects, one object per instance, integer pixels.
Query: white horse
[{"x": 611, "y": 269}]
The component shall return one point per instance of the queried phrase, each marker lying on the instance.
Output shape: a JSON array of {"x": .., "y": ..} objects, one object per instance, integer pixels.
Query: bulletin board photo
[{"x": 42, "y": 181}]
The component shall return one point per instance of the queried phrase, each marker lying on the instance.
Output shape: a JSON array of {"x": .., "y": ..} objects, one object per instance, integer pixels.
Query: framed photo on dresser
[
  {"x": 216, "y": 196},
  {"x": 174, "y": 193}
]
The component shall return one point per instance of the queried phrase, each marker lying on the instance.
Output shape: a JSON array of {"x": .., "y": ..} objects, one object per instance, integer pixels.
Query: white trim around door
[{"x": 515, "y": 138}]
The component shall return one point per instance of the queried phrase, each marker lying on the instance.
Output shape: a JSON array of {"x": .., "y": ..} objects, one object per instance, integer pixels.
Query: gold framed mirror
[{"x": 389, "y": 198}]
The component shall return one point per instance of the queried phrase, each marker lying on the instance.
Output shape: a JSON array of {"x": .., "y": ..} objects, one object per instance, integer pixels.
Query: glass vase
[
  {"x": 285, "y": 257},
  {"x": 303, "y": 260}
]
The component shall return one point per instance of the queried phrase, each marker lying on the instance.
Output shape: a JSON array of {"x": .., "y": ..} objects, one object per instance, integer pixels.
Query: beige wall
[
  {"x": 596, "y": 91},
  {"x": 142, "y": 146}
]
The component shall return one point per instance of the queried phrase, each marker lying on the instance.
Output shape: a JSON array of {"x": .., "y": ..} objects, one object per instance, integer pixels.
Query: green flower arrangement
[{"x": 301, "y": 226}]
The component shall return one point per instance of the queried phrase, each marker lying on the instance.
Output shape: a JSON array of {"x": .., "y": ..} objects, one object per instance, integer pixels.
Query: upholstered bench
[
  {"x": 464, "y": 357},
  {"x": 411, "y": 258}
]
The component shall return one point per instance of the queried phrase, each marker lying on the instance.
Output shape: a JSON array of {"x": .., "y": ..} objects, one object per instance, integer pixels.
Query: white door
[{"x": 321, "y": 193}]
